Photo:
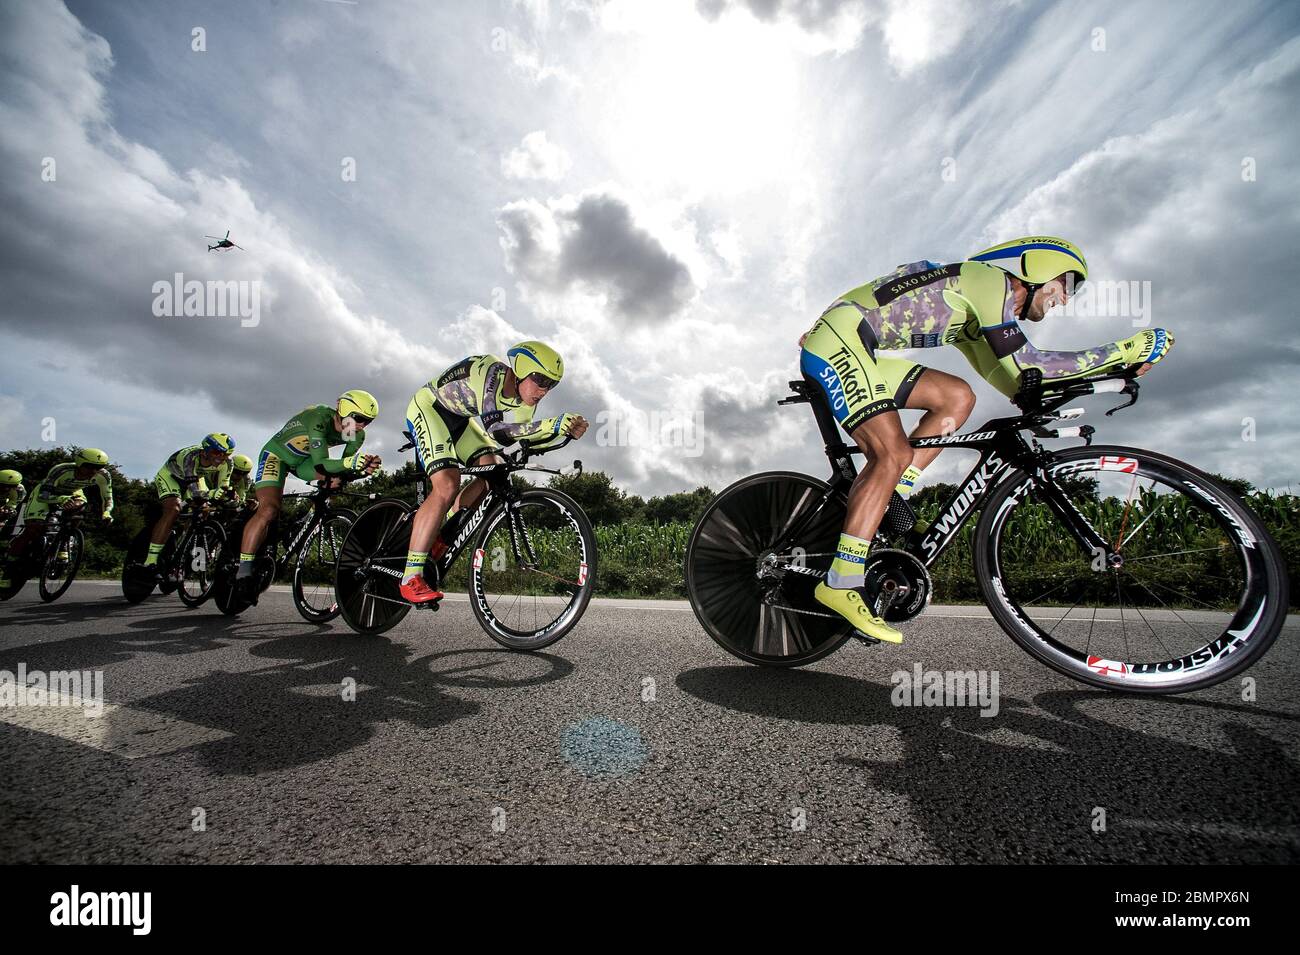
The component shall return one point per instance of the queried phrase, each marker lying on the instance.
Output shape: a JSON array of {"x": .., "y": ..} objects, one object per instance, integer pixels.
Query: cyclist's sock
[
  {"x": 908, "y": 481},
  {"x": 414, "y": 565},
  {"x": 846, "y": 570},
  {"x": 155, "y": 550},
  {"x": 245, "y": 565}
]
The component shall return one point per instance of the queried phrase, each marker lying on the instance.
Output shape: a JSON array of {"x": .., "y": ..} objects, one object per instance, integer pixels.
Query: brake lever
[{"x": 1131, "y": 389}]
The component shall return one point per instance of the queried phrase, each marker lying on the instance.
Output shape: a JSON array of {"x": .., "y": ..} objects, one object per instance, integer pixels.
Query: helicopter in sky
[{"x": 223, "y": 243}]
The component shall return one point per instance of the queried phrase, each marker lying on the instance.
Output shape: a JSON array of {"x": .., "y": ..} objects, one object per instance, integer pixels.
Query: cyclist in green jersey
[
  {"x": 241, "y": 481},
  {"x": 196, "y": 472},
  {"x": 978, "y": 306},
  {"x": 64, "y": 488},
  {"x": 302, "y": 447},
  {"x": 459, "y": 417},
  {"x": 12, "y": 496}
]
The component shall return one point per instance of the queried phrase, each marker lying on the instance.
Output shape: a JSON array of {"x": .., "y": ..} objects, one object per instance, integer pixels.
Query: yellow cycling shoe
[{"x": 850, "y": 605}]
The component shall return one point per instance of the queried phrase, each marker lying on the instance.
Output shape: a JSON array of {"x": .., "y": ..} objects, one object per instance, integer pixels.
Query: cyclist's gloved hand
[
  {"x": 572, "y": 425},
  {"x": 1147, "y": 347},
  {"x": 107, "y": 516}
]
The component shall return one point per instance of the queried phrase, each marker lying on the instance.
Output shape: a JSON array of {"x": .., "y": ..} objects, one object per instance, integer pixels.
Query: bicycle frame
[
  {"x": 1002, "y": 449},
  {"x": 499, "y": 487}
]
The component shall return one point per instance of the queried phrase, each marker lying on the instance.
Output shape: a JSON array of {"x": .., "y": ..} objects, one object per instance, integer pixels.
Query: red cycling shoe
[{"x": 418, "y": 591}]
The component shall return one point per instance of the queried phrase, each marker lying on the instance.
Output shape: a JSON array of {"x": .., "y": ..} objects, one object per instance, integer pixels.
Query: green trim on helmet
[
  {"x": 92, "y": 456},
  {"x": 1036, "y": 259},
  {"x": 531, "y": 357},
  {"x": 10, "y": 477},
  {"x": 357, "y": 402}
]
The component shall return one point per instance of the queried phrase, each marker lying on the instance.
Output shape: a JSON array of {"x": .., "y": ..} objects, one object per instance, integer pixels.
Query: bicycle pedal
[{"x": 869, "y": 641}]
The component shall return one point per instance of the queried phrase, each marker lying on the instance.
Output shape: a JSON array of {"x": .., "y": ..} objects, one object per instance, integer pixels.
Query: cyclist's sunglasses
[
  {"x": 541, "y": 381},
  {"x": 360, "y": 419}
]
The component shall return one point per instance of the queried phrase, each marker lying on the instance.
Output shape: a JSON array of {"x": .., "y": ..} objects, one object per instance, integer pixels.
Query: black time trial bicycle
[
  {"x": 532, "y": 572},
  {"x": 308, "y": 541},
  {"x": 187, "y": 564},
  {"x": 54, "y": 560},
  {"x": 1118, "y": 567}
]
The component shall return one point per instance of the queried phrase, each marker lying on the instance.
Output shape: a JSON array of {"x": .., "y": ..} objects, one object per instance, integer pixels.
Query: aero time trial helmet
[
  {"x": 1037, "y": 259},
  {"x": 358, "y": 405},
  {"x": 218, "y": 441},
  {"x": 539, "y": 359},
  {"x": 10, "y": 478},
  {"x": 242, "y": 462},
  {"x": 92, "y": 457}
]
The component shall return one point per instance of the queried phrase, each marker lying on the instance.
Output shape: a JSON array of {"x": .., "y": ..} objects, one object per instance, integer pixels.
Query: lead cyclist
[{"x": 978, "y": 306}]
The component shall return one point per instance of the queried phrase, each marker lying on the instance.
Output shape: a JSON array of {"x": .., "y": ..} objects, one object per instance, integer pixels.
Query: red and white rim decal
[
  {"x": 582, "y": 573},
  {"x": 1113, "y": 462},
  {"x": 478, "y": 559},
  {"x": 1107, "y": 667}
]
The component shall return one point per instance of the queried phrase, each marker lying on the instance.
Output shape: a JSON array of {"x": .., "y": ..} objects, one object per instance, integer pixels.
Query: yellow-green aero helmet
[
  {"x": 242, "y": 462},
  {"x": 93, "y": 457},
  {"x": 218, "y": 441},
  {"x": 1037, "y": 259},
  {"x": 359, "y": 405},
  {"x": 539, "y": 359},
  {"x": 10, "y": 478}
]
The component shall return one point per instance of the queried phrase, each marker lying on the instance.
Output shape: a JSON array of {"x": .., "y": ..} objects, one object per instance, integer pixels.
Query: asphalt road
[{"x": 634, "y": 739}]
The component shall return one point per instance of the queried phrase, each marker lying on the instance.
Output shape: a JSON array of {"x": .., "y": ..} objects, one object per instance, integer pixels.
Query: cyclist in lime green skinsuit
[
  {"x": 241, "y": 481},
  {"x": 195, "y": 472},
  {"x": 460, "y": 417},
  {"x": 12, "y": 496},
  {"x": 302, "y": 447},
  {"x": 63, "y": 488},
  {"x": 977, "y": 306}
]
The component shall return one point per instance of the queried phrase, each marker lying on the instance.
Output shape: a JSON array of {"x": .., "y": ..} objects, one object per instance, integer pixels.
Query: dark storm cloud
[{"x": 596, "y": 243}]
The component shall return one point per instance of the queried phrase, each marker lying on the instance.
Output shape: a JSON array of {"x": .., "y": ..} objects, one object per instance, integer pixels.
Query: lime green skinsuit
[{"x": 923, "y": 305}]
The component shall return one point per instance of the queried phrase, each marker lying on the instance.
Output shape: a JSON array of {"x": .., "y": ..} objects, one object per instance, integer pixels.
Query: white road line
[
  {"x": 945, "y": 611},
  {"x": 121, "y": 730}
]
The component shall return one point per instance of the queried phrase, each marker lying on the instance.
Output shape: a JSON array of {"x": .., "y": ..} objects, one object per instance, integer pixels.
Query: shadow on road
[
  {"x": 1024, "y": 786},
  {"x": 292, "y": 710}
]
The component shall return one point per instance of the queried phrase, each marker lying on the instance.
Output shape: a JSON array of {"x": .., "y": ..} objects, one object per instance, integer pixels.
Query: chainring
[{"x": 900, "y": 582}]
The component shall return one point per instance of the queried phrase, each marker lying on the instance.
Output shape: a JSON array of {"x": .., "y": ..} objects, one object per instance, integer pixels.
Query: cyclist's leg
[
  {"x": 475, "y": 447},
  {"x": 270, "y": 475},
  {"x": 435, "y": 436},
  {"x": 169, "y": 500},
  {"x": 947, "y": 401},
  {"x": 838, "y": 357},
  {"x": 35, "y": 513}
]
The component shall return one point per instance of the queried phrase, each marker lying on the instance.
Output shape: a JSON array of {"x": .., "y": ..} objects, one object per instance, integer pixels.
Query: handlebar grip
[{"x": 1110, "y": 386}]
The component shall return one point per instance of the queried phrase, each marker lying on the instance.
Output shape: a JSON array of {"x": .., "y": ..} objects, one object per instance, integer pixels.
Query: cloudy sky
[{"x": 669, "y": 192}]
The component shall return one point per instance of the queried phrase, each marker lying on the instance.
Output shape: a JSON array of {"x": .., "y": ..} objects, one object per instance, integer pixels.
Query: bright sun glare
[{"x": 709, "y": 106}]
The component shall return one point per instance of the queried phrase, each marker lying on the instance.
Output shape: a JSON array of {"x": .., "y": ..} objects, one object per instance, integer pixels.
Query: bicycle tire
[
  {"x": 732, "y": 536},
  {"x": 526, "y": 640},
  {"x": 75, "y": 540},
  {"x": 369, "y": 600},
  {"x": 1253, "y": 628}
]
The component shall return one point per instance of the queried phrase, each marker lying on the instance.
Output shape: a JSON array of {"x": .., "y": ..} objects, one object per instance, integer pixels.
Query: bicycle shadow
[
  {"x": 1024, "y": 786},
  {"x": 322, "y": 691},
  {"x": 137, "y": 629},
  {"x": 324, "y": 694}
]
